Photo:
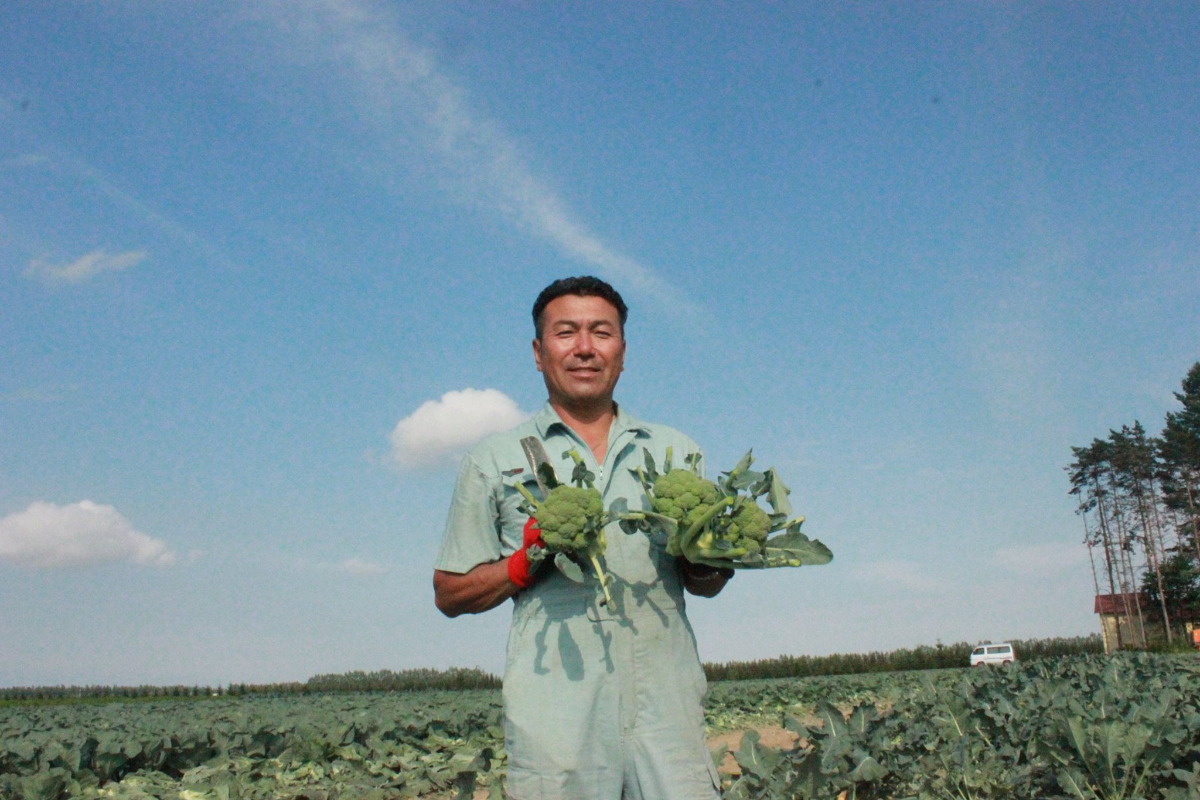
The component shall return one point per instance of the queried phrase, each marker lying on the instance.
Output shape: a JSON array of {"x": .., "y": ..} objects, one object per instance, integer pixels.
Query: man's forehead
[{"x": 580, "y": 310}]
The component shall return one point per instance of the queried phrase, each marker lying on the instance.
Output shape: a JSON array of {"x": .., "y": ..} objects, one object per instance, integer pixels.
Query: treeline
[
  {"x": 939, "y": 656},
  {"x": 409, "y": 680},
  {"x": 1139, "y": 499},
  {"x": 99, "y": 693},
  {"x": 417, "y": 680}
]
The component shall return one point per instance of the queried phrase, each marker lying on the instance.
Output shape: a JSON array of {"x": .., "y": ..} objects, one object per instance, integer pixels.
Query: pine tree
[{"x": 1179, "y": 457}]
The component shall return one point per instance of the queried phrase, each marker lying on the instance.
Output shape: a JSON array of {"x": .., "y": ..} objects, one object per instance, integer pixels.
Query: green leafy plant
[{"x": 720, "y": 523}]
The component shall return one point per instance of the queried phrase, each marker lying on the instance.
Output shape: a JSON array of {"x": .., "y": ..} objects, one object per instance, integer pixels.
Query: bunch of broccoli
[
  {"x": 721, "y": 523},
  {"x": 572, "y": 520}
]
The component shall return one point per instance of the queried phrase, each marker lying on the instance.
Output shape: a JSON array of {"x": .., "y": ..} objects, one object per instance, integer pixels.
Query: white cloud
[
  {"x": 83, "y": 533},
  {"x": 444, "y": 428},
  {"x": 1047, "y": 558},
  {"x": 397, "y": 82},
  {"x": 359, "y": 567},
  {"x": 84, "y": 267}
]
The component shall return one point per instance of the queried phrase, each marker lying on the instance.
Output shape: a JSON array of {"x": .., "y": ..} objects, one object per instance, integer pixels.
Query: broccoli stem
[
  {"x": 685, "y": 541},
  {"x": 578, "y": 459},
  {"x": 647, "y": 484},
  {"x": 533, "y": 501},
  {"x": 718, "y": 554},
  {"x": 602, "y": 578}
]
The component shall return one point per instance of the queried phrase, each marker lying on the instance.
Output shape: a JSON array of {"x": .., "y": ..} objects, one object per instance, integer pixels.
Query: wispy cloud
[
  {"x": 441, "y": 429},
  {"x": 360, "y": 568},
  {"x": 83, "y": 268},
  {"x": 46, "y": 535},
  {"x": 58, "y": 161},
  {"x": 397, "y": 82},
  {"x": 26, "y": 161}
]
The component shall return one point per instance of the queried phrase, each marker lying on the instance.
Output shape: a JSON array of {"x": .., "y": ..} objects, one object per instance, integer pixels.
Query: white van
[{"x": 1001, "y": 653}]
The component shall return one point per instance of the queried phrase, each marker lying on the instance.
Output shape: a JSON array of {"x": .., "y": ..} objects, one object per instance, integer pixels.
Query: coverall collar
[{"x": 548, "y": 422}]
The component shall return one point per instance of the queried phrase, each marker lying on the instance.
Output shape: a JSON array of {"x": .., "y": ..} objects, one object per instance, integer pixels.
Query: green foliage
[
  {"x": 1085, "y": 727},
  {"x": 721, "y": 523},
  {"x": 346, "y": 745},
  {"x": 1180, "y": 586}
]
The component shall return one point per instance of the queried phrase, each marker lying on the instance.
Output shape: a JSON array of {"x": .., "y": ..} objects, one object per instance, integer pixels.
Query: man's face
[{"x": 581, "y": 351}]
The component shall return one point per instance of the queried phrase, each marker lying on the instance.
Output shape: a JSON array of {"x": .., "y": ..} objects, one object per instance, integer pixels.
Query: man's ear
[{"x": 537, "y": 353}]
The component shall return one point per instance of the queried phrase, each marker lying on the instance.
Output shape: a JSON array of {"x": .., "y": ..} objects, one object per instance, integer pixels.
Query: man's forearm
[{"x": 483, "y": 588}]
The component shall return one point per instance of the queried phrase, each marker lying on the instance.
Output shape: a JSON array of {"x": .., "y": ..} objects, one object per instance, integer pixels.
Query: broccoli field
[{"x": 1125, "y": 726}]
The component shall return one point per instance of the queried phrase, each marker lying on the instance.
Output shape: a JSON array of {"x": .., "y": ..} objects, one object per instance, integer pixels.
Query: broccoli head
[
  {"x": 684, "y": 496},
  {"x": 748, "y": 521},
  {"x": 564, "y": 518},
  {"x": 720, "y": 523}
]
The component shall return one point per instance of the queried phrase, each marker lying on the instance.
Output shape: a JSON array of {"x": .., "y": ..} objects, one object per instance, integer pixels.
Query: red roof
[{"x": 1116, "y": 603}]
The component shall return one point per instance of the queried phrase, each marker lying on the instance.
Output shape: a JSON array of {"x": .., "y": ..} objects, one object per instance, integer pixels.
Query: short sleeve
[{"x": 471, "y": 537}]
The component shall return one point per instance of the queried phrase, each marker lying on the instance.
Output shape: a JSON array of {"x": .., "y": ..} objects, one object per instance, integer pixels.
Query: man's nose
[{"x": 584, "y": 346}]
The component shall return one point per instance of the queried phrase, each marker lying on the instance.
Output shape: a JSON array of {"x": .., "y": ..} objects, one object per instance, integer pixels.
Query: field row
[{"x": 1080, "y": 727}]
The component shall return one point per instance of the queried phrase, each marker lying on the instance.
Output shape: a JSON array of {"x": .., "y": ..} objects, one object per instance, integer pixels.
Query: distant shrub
[
  {"x": 939, "y": 656},
  {"x": 409, "y": 680}
]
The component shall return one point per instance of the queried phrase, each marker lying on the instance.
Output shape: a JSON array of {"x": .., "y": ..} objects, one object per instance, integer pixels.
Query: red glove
[{"x": 519, "y": 571}]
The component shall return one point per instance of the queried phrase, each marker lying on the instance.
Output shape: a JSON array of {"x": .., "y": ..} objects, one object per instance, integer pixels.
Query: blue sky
[{"x": 266, "y": 269}]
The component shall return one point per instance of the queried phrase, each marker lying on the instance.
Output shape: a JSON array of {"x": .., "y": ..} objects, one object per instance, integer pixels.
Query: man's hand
[
  {"x": 701, "y": 579},
  {"x": 487, "y": 585},
  {"x": 520, "y": 571}
]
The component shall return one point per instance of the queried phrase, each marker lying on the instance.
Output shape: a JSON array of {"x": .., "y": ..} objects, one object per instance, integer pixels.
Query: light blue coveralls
[{"x": 599, "y": 702}]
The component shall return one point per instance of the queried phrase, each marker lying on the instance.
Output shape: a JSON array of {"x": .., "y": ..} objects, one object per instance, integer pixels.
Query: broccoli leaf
[
  {"x": 651, "y": 472},
  {"x": 582, "y": 476},
  {"x": 568, "y": 567},
  {"x": 744, "y": 463},
  {"x": 795, "y": 546},
  {"x": 545, "y": 471},
  {"x": 619, "y": 507},
  {"x": 744, "y": 480},
  {"x": 777, "y": 494}
]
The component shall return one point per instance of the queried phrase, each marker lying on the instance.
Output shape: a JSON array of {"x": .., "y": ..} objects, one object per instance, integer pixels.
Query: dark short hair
[{"x": 584, "y": 286}]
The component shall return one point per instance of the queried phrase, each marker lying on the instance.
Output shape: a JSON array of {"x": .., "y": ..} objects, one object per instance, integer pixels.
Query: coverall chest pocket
[{"x": 512, "y": 517}]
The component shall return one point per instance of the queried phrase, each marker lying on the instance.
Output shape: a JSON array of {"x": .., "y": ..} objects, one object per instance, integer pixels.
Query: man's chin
[{"x": 586, "y": 395}]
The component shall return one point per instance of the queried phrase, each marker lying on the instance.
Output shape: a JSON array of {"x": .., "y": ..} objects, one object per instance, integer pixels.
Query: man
[{"x": 601, "y": 700}]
